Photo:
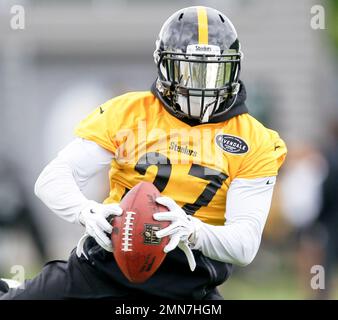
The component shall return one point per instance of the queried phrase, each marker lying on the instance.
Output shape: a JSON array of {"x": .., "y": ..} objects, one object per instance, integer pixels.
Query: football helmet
[{"x": 198, "y": 59}]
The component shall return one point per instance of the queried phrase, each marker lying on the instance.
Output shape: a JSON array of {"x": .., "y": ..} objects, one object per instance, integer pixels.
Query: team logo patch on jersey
[{"x": 231, "y": 144}]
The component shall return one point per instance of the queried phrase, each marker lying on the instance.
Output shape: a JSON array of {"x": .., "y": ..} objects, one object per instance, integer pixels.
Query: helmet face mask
[{"x": 200, "y": 80}]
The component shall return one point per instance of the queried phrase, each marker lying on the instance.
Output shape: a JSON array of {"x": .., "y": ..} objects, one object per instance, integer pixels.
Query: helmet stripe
[{"x": 202, "y": 17}]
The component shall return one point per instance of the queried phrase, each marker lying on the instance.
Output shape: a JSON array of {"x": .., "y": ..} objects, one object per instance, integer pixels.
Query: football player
[{"x": 193, "y": 137}]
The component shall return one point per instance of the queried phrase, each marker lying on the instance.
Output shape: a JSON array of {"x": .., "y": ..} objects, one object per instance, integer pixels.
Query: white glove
[
  {"x": 183, "y": 229},
  {"x": 94, "y": 217}
]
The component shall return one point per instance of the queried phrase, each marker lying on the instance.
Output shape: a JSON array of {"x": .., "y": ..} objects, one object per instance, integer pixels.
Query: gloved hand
[
  {"x": 183, "y": 229},
  {"x": 94, "y": 218}
]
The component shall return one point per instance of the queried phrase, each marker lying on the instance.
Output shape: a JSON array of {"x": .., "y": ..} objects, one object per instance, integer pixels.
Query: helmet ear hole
[
  {"x": 222, "y": 19},
  {"x": 181, "y": 16}
]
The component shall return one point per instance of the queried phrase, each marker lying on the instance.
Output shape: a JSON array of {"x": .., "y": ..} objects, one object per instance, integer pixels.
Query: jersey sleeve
[
  {"x": 102, "y": 125},
  {"x": 266, "y": 159}
]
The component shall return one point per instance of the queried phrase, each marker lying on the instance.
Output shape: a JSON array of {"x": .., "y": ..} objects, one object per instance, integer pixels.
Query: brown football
[{"x": 137, "y": 250}]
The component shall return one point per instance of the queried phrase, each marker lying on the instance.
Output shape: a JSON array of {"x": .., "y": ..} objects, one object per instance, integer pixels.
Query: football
[{"x": 137, "y": 250}]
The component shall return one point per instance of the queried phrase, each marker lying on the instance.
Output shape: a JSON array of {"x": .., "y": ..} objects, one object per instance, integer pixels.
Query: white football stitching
[{"x": 127, "y": 231}]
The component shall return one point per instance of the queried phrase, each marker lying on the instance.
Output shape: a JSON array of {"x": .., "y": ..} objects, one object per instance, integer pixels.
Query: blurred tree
[{"x": 332, "y": 24}]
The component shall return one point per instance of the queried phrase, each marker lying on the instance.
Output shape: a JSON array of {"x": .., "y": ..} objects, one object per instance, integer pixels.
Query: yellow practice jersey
[{"x": 194, "y": 165}]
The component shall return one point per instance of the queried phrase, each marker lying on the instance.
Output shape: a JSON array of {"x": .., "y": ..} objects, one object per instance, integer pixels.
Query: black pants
[{"x": 99, "y": 278}]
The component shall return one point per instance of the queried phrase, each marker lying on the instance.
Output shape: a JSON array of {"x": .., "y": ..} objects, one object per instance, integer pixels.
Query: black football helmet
[{"x": 198, "y": 59}]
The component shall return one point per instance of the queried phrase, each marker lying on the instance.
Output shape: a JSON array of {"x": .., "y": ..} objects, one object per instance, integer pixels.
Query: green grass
[
  {"x": 248, "y": 288},
  {"x": 283, "y": 284}
]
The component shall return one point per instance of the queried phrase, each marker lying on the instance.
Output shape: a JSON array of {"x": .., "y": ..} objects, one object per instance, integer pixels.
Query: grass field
[
  {"x": 272, "y": 276},
  {"x": 281, "y": 287}
]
